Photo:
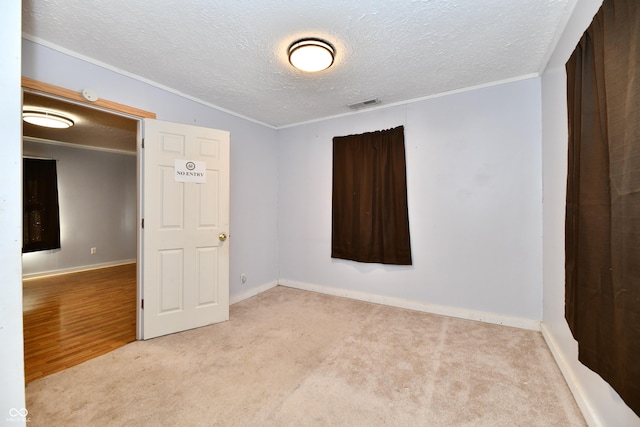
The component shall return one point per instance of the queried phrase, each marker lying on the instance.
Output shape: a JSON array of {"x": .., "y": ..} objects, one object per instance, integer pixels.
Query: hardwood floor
[{"x": 71, "y": 318}]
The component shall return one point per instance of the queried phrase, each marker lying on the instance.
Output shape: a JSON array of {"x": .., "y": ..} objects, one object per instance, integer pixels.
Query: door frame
[{"x": 68, "y": 95}]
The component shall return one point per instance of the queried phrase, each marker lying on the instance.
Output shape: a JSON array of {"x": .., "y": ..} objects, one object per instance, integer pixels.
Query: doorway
[
  {"x": 98, "y": 155},
  {"x": 186, "y": 171}
]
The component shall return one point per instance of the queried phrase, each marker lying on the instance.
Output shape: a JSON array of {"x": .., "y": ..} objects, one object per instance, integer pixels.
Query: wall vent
[{"x": 364, "y": 104}]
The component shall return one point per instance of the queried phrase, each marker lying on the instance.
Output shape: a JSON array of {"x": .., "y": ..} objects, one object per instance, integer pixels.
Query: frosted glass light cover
[
  {"x": 311, "y": 55},
  {"x": 47, "y": 119}
]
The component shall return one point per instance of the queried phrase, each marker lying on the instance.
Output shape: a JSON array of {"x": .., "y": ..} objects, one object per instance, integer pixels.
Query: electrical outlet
[
  {"x": 93, "y": 251},
  {"x": 243, "y": 278}
]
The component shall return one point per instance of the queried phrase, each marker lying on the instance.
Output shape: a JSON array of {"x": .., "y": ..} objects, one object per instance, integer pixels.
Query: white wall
[
  {"x": 97, "y": 198},
  {"x": 11, "y": 340},
  {"x": 598, "y": 401},
  {"x": 253, "y": 153},
  {"x": 474, "y": 192}
]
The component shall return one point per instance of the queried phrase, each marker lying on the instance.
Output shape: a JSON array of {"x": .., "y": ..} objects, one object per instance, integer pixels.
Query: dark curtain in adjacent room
[
  {"x": 370, "y": 221},
  {"x": 603, "y": 197},
  {"x": 41, "y": 215}
]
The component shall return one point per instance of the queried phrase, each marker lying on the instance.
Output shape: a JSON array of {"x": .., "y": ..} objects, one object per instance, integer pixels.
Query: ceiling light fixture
[
  {"x": 311, "y": 55},
  {"x": 47, "y": 118}
]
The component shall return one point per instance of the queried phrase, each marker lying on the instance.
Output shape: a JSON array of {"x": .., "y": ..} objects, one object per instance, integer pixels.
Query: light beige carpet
[{"x": 295, "y": 358}]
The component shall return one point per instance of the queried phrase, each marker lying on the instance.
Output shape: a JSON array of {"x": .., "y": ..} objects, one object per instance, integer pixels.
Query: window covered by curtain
[
  {"x": 41, "y": 217},
  {"x": 602, "y": 302},
  {"x": 370, "y": 221}
]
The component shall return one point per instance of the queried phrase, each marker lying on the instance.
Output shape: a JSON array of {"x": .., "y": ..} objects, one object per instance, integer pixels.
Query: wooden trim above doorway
[{"x": 35, "y": 85}]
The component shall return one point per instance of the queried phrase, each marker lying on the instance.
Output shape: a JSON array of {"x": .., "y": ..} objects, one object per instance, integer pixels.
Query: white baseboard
[
  {"x": 76, "y": 269},
  {"x": 567, "y": 372},
  {"x": 460, "y": 313},
  {"x": 252, "y": 292}
]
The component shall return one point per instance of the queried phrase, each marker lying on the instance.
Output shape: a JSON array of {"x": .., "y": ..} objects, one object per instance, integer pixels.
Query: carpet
[{"x": 289, "y": 357}]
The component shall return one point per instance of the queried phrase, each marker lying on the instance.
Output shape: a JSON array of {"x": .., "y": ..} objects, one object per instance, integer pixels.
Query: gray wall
[
  {"x": 254, "y": 175},
  {"x": 97, "y": 198},
  {"x": 474, "y": 194}
]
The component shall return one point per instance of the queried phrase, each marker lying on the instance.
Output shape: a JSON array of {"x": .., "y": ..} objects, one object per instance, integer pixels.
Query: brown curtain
[
  {"x": 41, "y": 215},
  {"x": 370, "y": 220},
  {"x": 603, "y": 198}
]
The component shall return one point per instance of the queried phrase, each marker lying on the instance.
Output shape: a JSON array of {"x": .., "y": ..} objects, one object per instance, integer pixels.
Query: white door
[{"x": 185, "y": 251}]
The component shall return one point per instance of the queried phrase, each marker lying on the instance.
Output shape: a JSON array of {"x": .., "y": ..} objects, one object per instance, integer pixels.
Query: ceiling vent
[{"x": 363, "y": 104}]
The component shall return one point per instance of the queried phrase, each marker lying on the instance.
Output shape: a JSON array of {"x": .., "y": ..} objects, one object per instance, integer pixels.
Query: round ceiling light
[
  {"x": 47, "y": 119},
  {"x": 311, "y": 55}
]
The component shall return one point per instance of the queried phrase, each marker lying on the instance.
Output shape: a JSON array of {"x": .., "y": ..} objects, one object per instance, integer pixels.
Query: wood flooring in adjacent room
[{"x": 74, "y": 317}]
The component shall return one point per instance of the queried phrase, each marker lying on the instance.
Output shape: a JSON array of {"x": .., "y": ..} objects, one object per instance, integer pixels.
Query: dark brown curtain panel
[
  {"x": 41, "y": 215},
  {"x": 603, "y": 198},
  {"x": 370, "y": 220}
]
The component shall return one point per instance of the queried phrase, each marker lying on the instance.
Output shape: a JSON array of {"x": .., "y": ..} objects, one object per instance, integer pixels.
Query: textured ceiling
[{"x": 232, "y": 54}]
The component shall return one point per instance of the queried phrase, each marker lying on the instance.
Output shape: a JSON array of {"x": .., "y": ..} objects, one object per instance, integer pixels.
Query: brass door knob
[{"x": 222, "y": 237}]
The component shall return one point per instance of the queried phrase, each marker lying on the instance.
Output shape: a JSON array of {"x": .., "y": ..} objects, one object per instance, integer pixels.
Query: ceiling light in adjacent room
[
  {"x": 47, "y": 119},
  {"x": 311, "y": 55}
]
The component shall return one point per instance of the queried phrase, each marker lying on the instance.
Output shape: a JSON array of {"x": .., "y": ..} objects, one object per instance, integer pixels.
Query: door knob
[{"x": 222, "y": 237}]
